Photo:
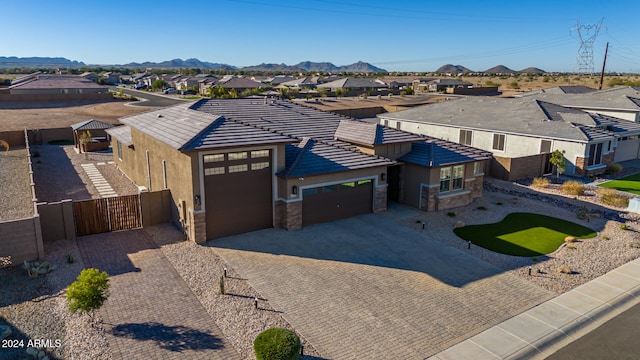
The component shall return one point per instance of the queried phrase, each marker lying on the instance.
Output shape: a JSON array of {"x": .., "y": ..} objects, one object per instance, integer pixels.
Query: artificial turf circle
[
  {"x": 524, "y": 234},
  {"x": 630, "y": 184}
]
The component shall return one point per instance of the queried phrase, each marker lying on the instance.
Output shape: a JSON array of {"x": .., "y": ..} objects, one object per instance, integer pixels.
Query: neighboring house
[
  {"x": 522, "y": 132},
  {"x": 240, "y": 84},
  {"x": 98, "y": 139},
  {"x": 111, "y": 78},
  {"x": 443, "y": 85},
  {"x": 570, "y": 89},
  {"x": 238, "y": 165},
  {"x": 56, "y": 84},
  {"x": 305, "y": 82},
  {"x": 355, "y": 85},
  {"x": 279, "y": 79},
  {"x": 90, "y": 76}
]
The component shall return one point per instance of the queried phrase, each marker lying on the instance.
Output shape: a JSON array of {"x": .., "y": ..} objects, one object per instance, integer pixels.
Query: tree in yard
[
  {"x": 158, "y": 84},
  {"x": 89, "y": 291},
  {"x": 557, "y": 159}
]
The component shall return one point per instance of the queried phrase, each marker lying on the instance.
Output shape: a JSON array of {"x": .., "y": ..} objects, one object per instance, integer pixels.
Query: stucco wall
[{"x": 21, "y": 240}]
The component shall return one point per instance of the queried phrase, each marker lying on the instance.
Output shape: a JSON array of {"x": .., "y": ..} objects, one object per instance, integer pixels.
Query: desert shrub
[
  {"x": 605, "y": 237},
  {"x": 89, "y": 291},
  {"x": 277, "y": 344},
  {"x": 614, "y": 168},
  {"x": 634, "y": 244},
  {"x": 483, "y": 208},
  {"x": 565, "y": 269},
  {"x": 451, "y": 214},
  {"x": 541, "y": 182},
  {"x": 572, "y": 247},
  {"x": 611, "y": 197},
  {"x": 624, "y": 227},
  {"x": 572, "y": 187},
  {"x": 514, "y": 85}
]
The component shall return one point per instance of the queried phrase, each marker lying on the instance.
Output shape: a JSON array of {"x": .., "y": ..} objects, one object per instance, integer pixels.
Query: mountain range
[
  {"x": 305, "y": 66},
  {"x": 499, "y": 69}
]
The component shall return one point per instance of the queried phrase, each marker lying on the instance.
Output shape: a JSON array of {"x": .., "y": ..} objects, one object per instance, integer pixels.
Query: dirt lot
[{"x": 43, "y": 117}]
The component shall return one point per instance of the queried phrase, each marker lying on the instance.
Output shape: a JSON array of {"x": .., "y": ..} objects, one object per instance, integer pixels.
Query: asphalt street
[
  {"x": 153, "y": 100},
  {"x": 615, "y": 339}
]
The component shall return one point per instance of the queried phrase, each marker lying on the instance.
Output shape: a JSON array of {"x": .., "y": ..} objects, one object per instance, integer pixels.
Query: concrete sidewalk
[{"x": 546, "y": 328}]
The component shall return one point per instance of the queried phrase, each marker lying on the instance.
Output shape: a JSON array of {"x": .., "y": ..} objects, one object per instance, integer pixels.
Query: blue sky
[{"x": 418, "y": 35}]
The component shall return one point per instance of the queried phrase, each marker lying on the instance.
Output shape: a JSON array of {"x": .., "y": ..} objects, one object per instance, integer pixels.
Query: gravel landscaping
[
  {"x": 15, "y": 197},
  {"x": 587, "y": 259}
]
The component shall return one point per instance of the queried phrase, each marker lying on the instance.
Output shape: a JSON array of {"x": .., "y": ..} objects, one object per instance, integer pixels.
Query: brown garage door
[
  {"x": 333, "y": 202},
  {"x": 238, "y": 189}
]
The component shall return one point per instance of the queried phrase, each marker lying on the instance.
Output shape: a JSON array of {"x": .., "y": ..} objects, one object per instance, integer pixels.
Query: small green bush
[
  {"x": 483, "y": 208},
  {"x": 611, "y": 197},
  {"x": 277, "y": 344},
  {"x": 89, "y": 291},
  {"x": 572, "y": 187},
  {"x": 614, "y": 168},
  {"x": 451, "y": 214},
  {"x": 624, "y": 227},
  {"x": 541, "y": 182},
  {"x": 565, "y": 269}
]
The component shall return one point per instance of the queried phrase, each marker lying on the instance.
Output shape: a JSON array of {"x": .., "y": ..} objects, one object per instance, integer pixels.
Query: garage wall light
[
  {"x": 294, "y": 190},
  {"x": 196, "y": 200},
  {"x": 383, "y": 176}
]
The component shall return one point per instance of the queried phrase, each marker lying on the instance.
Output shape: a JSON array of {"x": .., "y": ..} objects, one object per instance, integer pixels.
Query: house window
[
  {"x": 445, "y": 179},
  {"x": 477, "y": 168},
  {"x": 213, "y": 158},
  {"x": 458, "y": 177},
  {"x": 348, "y": 185},
  {"x": 498, "y": 142},
  {"x": 465, "y": 137},
  {"x": 214, "y": 171},
  {"x": 595, "y": 154},
  {"x": 386, "y": 123},
  {"x": 238, "y": 168},
  {"x": 119, "y": 146},
  {"x": 237, "y": 155},
  {"x": 259, "y": 154},
  {"x": 259, "y": 166},
  {"x": 398, "y": 125},
  {"x": 364, "y": 182},
  {"x": 545, "y": 146}
]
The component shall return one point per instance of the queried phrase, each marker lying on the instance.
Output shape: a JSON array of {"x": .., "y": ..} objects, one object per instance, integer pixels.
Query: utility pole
[{"x": 604, "y": 63}]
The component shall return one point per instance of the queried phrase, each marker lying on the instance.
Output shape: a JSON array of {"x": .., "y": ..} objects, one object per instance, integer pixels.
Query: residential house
[
  {"x": 239, "y": 84},
  {"x": 279, "y": 79},
  {"x": 444, "y": 85},
  {"x": 522, "y": 132},
  {"x": 41, "y": 84},
  {"x": 238, "y": 165},
  {"x": 355, "y": 86},
  {"x": 111, "y": 78},
  {"x": 90, "y": 76}
]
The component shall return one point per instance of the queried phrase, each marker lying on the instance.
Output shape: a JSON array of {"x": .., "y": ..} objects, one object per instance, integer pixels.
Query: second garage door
[{"x": 339, "y": 201}]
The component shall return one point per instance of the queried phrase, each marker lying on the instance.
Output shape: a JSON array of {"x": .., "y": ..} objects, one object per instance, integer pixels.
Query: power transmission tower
[{"x": 587, "y": 35}]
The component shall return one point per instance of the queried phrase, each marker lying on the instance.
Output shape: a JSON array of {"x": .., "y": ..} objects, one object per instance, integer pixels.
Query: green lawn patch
[
  {"x": 524, "y": 234},
  {"x": 630, "y": 184}
]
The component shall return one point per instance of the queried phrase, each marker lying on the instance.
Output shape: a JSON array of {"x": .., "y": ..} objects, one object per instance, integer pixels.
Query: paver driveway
[
  {"x": 151, "y": 313},
  {"x": 368, "y": 288}
]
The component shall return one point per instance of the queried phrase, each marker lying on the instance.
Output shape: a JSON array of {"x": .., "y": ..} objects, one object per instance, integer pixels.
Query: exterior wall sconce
[
  {"x": 383, "y": 176},
  {"x": 196, "y": 200},
  {"x": 294, "y": 190}
]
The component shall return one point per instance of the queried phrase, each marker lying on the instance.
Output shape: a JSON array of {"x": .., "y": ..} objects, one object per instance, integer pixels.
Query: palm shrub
[
  {"x": 572, "y": 187},
  {"x": 277, "y": 344}
]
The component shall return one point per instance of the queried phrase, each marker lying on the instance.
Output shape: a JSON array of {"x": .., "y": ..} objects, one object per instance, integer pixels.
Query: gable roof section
[
  {"x": 352, "y": 83},
  {"x": 91, "y": 124},
  {"x": 240, "y": 83},
  {"x": 122, "y": 133},
  {"x": 40, "y": 82},
  {"x": 312, "y": 157},
  {"x": 363, "y": 133},
  {"x": 618, "y": 98},
  {"x": 436, "y": 153}
]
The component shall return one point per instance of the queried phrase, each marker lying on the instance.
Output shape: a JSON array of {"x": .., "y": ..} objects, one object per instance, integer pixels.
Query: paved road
[
  {"x": 151, "y": 313},
  {"x": 153, "y": 100},
  {"x": 618, "y": 339},
  {"x": 368, "y": 288}
]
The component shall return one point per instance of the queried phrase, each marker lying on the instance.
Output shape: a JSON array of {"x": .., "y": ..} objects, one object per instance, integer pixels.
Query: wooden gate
[{"x": 107, "y": 214}]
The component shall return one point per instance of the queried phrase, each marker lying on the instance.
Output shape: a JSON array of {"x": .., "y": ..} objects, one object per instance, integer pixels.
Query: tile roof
[
  {"x": 57, "y": 82},
  {"x": 352, "y": 83},
  {"x": 526, "y": 116},
  {"x": 364, "y": 133},
  {"x": 619, "y": 98},
  {"x": 240, "y": 83},
  {"x": 91, "y": 125},
  {"x": 435, "y": 153},
  {"x": 122, "y": 133},
  {"x": 578, "y": 89},
  {"x": 312, "y": 157}
]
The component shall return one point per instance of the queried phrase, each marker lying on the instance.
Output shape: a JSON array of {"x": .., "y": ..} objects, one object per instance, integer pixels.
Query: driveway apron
[
  {"x": 369, "y": 288},
  {"x": 151, "y": 313}
]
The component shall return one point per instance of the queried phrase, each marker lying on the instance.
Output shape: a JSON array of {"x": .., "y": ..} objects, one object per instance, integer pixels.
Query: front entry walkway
[{"x": 151, "y": 313}]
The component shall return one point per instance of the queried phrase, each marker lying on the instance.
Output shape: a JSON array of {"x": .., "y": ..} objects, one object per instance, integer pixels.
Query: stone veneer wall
[
  {"x": 429, "y": 199},
  {"x": 288, "y": 215},
  {"x": 198, "y": 227},
  {"x": 432, "y": 202},
  {"x": 380, "y": 199}
]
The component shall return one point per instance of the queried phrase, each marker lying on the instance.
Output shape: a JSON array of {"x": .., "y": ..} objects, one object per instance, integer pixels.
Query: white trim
[
  {"x": 428, "y": 186},
  {"x": 148, "y": 170}
]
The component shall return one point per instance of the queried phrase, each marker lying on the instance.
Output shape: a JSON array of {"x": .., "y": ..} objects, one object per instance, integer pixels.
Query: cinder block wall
[{"x": 19, "y": 240}]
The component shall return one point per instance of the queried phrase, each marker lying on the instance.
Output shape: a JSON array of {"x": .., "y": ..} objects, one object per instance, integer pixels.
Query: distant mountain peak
[{"x": 448, "y": 68}]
